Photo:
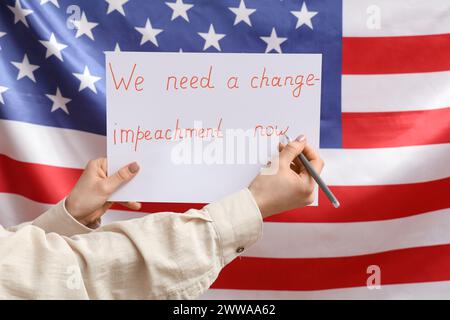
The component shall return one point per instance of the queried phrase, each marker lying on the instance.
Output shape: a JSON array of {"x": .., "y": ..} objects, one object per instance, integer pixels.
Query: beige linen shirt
[{"x": 161, "y": 256}]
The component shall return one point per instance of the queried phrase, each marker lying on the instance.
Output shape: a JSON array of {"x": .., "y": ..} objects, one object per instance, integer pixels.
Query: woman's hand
[
  {"x": 87, "y": 201},
  {"x": 290, "y": 186}
]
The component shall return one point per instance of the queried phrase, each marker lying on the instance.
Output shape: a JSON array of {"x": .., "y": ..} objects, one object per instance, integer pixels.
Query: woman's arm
[
  {"x": 56, "y": 219},
  {"x": 161, "y": 256}
]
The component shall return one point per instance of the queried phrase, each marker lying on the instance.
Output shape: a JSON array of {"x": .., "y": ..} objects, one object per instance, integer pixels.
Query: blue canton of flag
[{"x": 52, "y": 62}]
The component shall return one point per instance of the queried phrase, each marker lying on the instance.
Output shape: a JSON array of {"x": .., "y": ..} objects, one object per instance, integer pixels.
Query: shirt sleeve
[
  {"x": 58, "y": 220},
  {"x": 161, "y": 256}
]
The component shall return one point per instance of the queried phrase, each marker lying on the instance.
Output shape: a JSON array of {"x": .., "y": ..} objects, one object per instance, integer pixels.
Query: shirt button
[{"x": 240, "y": 249}]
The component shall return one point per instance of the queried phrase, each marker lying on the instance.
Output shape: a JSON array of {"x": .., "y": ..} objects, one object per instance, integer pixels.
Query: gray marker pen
[{"x": 317, "y": 178}]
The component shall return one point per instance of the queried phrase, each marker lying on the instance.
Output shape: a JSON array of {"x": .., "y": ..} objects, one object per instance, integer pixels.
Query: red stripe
[
  {"x": 412, "y": 265},
  {"x": 370, "y": 203},
  {"x": 395, "y": 129},
  {"x": 409, "y": 54},
  {"x": 49, "y": 184},
  {"x": 37, "y": 182}
]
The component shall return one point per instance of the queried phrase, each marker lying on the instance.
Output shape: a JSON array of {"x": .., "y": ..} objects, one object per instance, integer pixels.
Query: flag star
[
  {"x": 273, "y": 42},
  {"x": 211, "y": 38},
  {"x": 25, "y": 68},
  {"x": 116, "y": 5},
  {"x": 242, "y": 13},
  {"x": 20, "y": 14},
  {"x": 304, "y": 16},
  {"x": 54, "y": 48},
  {"x": 87, "y": 80},
  {"x": 116, "y": 49},
  {"x": 2, "y": 89},
  {"x": 59, "y": 102},
  {"x": 149, "y": 33},
  {"x": 84, "y": 27},
  {"x": 2, "y": 34},
  {"x": 55, "y": 2},
  {"x": 179, "y": 9}
]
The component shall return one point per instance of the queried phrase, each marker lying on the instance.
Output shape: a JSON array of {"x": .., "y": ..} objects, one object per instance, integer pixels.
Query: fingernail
[
  {"x": 300, "y": 138},
  {"x": 133, "y": 167}
]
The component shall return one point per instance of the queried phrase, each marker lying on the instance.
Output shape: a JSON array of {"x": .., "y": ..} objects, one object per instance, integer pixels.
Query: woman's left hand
[{"x": 88, "y": 200}]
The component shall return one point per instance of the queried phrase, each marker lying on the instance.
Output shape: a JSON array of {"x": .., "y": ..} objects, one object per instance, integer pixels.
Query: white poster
[{"x": 201, "y": 125}]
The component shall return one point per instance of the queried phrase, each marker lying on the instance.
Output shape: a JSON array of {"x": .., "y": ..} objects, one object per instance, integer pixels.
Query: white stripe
[
  {"x": 15, "y": 209},
  {"x": 48, "y": 145},
  {"x": 383, "y": 166},
  {"x": 395, "y": 92},
  {"x": 397, "y": 18},
  {"x": 321, "y": 240},
  {"x": 424, "y": 290},
  {"x": 375, "y": 166},
  {"x": 118, "y": 215}
]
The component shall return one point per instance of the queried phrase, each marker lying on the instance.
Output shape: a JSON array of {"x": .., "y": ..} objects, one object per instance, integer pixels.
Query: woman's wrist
[{"x": 259, "y": 199}]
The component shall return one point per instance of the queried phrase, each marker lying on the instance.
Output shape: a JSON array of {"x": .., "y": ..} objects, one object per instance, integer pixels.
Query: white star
[
  {"x": 116, "y": 49},
  {"x": 149, "y": 33},
  {"x": 20, "y": 13},
  {"x": 55, "y": 2},
  {"x": 179, "y": 9},
  {"x": 87, "y": 80},
  {"x": 2, "y": 89},
  {"x": 25, "y": 68},
  {"x": 273, "y": 42},
  {"x": 211, "y": 38},
  {"x": 304, "y": 16},
  {"x": 116, "y": 5},
  {"x": 242, "y": 13},
  {"x": 53, "y": 47},
  {"x": 59, "y": 102},
  {"x": 84, "y": 27},
  {"x": 2, "y": 34}
]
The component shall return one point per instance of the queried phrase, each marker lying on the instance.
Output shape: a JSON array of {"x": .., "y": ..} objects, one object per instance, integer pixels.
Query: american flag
[{"x": 385, "y": 129}]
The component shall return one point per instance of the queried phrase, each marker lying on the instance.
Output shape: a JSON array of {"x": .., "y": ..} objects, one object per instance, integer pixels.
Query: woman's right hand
[{"x": 289, "y": 186}]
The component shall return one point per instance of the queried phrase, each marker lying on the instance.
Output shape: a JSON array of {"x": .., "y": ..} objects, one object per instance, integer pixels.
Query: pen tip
[{"x": 336, "y": 204}]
